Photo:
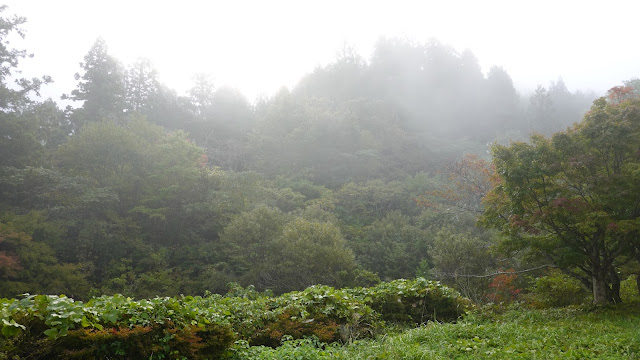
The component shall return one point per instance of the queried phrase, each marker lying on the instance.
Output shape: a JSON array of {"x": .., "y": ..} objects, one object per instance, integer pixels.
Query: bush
[
  {"x": 324, "y": 312},
  {"x": 556, "y": 290},
  {"x": 288, "y": 324},
  {"x": 45, "y": 327},
  {"x": 414, "y": 301},
  {"x": 330, "y": 308},
  {"x": 503, "y": 289},
  {"x": 629, "y": 290}
]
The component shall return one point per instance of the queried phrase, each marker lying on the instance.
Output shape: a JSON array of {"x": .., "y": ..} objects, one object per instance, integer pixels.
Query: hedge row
[{"x": 46, "y": 326}]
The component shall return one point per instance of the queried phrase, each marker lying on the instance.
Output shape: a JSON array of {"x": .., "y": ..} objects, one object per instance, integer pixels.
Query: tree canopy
[
  {"x": 367, "y": 169},
  {"x": 574, "y": 198}
]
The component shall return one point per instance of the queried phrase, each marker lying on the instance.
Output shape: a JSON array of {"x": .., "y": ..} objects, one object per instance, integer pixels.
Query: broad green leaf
[{"x": 51, "y": 333}]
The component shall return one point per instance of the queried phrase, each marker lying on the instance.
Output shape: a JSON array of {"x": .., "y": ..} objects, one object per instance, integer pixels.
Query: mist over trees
[{"x": 356, "y": 174}]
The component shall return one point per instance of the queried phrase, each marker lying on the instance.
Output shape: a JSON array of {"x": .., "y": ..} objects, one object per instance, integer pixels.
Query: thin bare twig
[{"x": 501, "y": 272}]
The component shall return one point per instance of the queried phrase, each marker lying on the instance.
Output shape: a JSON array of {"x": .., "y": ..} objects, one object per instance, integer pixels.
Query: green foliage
[
  {"x": 101, "y": 87},
  {"x": 308, "y": 348},
  {"x": 111, "y": 154},
  {"x": 570, "y": 198},
  {"x": 321, "y": 311},
  {"x": 244, "y": 191},
  {"x": 363, "y": 203},
  {"x": 518, "y": 334},
  {"x": 392, "y": 247},
  {"x": 18, "y": 141},
  {"x": 308, "y": 253},
  {"x": 204, "y": 327},
  {"x": 118, "y": 205},
  {"x": 249, "y": 238},
  {"x": 25, "y": 127},
  {"x": 557, "y": 290},
  {"x": 116, "y": 326},
  {"x": 629, "y": 290},
  {"x": 53, "y": 192},
  {"x": 30, "y": 264},
  {"x": 456, "y": 256},
  {"x": 15, "y": 96},
  {"x": 275, "y": 251},
  {"x": 305, "y": 187},
  {"x": 414, "y": 301},
  {"x": 142, "y": 87},
  {"x": 541, "y": 112},
  {"x": 332, "y": 143}
]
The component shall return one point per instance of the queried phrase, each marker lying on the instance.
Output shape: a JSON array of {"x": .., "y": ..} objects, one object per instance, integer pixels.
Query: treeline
[
  {"x": 342, "y": 180},
  {"x": 406, "y": 110}
]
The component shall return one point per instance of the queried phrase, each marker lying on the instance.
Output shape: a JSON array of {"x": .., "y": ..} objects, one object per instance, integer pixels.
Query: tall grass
[{"x": 570, "y": 333}]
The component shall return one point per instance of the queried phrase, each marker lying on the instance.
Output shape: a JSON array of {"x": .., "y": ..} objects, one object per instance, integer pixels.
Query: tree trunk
[
  {"x": 615, "y": 287},
  {"x": 638, "y": 282},
  {"x": 599, "y": 288},
  {"x": 599, "y": 272}
]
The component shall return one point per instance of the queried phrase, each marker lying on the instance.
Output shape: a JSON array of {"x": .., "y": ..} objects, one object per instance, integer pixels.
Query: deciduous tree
[{"x": 574, "y": 199}]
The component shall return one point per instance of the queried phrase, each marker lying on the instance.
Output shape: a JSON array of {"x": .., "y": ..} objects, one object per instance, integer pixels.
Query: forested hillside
[
  {"x": 366, "y": 170},
  {"x": 378, "y": 194}
]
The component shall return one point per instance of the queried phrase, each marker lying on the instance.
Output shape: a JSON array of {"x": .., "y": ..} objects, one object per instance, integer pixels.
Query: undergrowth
[{"x": 517, "y": 333}]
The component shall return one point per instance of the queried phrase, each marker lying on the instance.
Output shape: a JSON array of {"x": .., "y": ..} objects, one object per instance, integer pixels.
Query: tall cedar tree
[{"x": 101, "y": 87}]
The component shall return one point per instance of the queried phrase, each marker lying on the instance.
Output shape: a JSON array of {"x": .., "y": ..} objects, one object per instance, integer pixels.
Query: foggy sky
[{"x": 260, "y": 46}]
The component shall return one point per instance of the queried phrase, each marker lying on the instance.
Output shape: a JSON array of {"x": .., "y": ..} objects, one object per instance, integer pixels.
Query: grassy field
[{"x": 574, "y": 333}]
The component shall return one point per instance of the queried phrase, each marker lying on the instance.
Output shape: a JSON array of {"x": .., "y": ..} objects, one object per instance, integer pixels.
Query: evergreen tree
[
  {"x": 201, "y": 94},
  {"x": 19, "y": 143},
  {"x": 502, "y": 101},
  {"x": 142, "y": 87},
  {"x": 541, "y": 112},
  {"x": 101, "y": 87}
]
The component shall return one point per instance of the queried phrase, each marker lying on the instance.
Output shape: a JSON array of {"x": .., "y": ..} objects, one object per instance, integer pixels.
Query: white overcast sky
[{"x": 260, "y": 46}]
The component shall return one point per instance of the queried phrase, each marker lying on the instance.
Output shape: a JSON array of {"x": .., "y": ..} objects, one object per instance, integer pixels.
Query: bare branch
[{"x": 501, "y": 272}]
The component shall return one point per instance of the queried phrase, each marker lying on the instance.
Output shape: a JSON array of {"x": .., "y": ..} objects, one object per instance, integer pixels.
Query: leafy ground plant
[
  {"x": 206, "y": 327},
  {"x": 517, "y": 334}
]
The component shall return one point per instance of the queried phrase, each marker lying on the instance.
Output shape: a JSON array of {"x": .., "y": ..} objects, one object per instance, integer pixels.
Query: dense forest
[
  {"x": 366, "y": 170},
  {"x": 409, "y": 188}
]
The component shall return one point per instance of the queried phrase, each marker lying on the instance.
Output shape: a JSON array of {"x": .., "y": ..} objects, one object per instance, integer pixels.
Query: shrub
[
  {"x": 502, "y": 288},
  {"x": 556, "y": 290},
  {"x": 414, "y": 301},
  {"x": 629, "y": 290},
  {"x": 325, "y": 306},
  {"x": 288, "y": 324},
  {"x": 45, "y": 327}
]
